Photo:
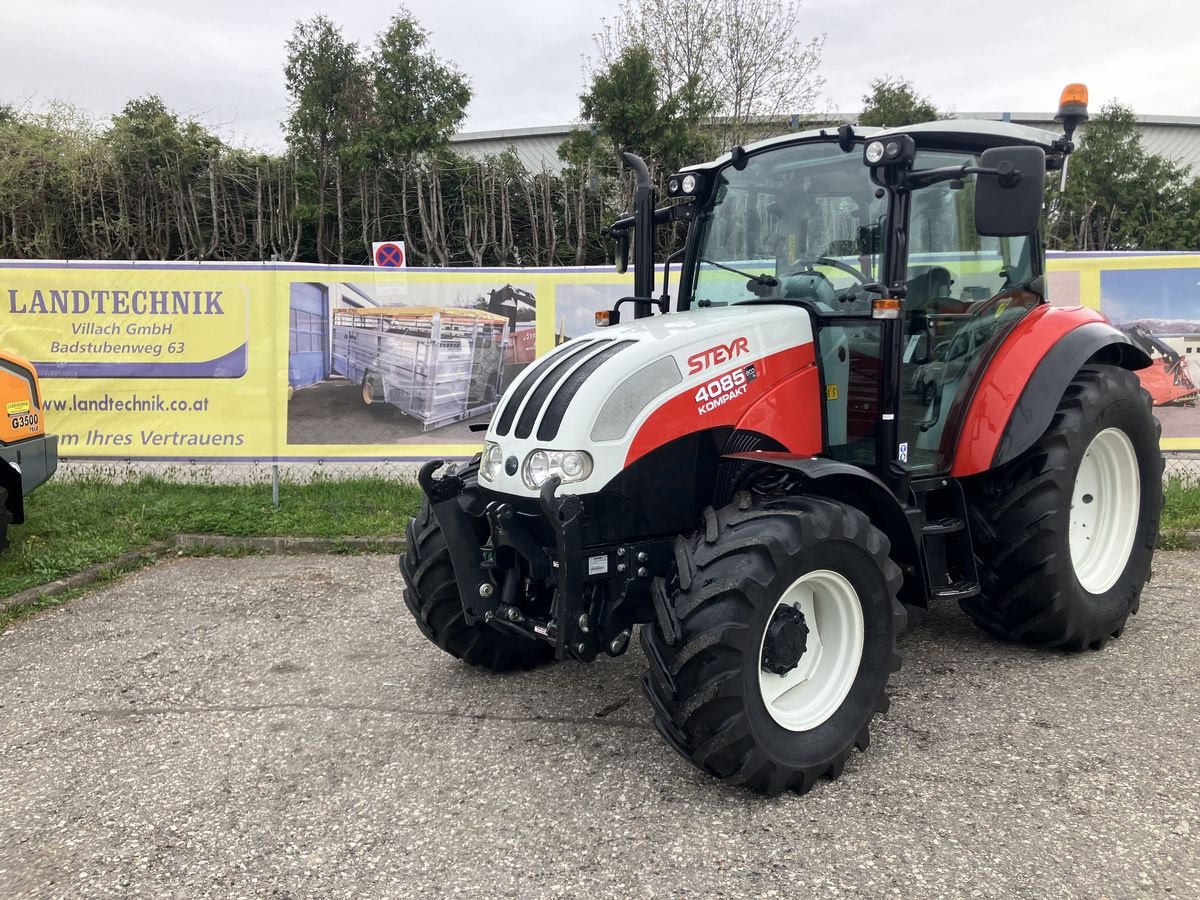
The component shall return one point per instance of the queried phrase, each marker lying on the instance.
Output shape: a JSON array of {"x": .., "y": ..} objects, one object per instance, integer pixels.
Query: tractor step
[
  {"x": 948, "y": 525},
  {"x": 959, "y": 590},
  {"x": 945, "y": 539}
]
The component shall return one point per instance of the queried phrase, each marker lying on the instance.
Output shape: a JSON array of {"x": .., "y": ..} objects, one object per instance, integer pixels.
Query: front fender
[{"x": 859, "y": 488}]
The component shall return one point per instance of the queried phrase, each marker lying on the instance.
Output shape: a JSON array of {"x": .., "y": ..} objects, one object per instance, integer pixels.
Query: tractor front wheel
[
  {"x": 1064, "y": 533},
  {"x": 431, "y": 595},
  {"x": 773, "y": 641}
]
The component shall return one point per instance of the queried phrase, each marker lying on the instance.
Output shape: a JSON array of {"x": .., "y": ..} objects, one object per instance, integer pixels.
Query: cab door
[{"x": 964, "y": 292}]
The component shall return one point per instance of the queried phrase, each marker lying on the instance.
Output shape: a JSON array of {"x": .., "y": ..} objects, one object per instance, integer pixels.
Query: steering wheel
[{"x": 802, "y": 265}]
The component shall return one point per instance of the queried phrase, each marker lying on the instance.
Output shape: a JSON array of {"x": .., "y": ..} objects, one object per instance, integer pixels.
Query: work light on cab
[{"x": 686, "y": 185}]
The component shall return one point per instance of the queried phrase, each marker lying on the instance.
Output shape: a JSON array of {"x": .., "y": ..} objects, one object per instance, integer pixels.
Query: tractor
[
  {"x": 28, "y": 456},
  {"x": 744, "y": 474}
]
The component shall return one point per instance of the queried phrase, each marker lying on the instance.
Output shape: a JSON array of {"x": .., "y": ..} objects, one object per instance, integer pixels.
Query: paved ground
[
  {"x": 332, "y": 412},
  {"x": 276, "y": 727}
]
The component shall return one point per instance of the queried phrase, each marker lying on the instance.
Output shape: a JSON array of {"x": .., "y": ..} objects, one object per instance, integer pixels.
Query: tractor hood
[{"x": 620, "y": 392}]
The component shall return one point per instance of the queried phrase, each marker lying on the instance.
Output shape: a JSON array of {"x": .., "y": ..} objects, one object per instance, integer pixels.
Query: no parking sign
[{"x": 389, "y": 254}]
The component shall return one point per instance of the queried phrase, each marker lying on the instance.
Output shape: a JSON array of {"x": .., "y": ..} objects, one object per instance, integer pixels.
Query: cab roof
[{"x": 952, "y": 134}]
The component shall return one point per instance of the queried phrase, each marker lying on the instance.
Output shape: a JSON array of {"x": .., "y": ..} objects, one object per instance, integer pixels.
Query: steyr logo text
[{"x": 698, "y": 362}]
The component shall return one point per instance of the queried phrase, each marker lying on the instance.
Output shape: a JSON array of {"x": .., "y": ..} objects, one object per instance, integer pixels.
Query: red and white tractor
[{"x": 746, "y": 472}]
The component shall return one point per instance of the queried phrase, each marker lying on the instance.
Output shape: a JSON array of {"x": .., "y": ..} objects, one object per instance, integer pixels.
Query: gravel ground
[{"x": 277, "y": 727}]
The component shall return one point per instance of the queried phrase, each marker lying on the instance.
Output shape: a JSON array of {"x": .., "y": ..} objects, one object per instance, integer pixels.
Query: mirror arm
[
  {"x": 916, "y": 180},
  {"x": 664, "y": 302}
]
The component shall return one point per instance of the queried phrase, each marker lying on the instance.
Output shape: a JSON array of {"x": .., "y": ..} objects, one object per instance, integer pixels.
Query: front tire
[
  {"x": 431, "y": 595},
  {"x": 1064, "y": 534},
  {"x": 774, "y": 640}
]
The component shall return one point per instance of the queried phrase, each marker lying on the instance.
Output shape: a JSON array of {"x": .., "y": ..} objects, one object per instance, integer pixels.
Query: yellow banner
[{"x": 296, "y": 362}]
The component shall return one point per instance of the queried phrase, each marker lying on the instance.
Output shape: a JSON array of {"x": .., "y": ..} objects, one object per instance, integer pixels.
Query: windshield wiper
[{"x": 764, "y": 280}]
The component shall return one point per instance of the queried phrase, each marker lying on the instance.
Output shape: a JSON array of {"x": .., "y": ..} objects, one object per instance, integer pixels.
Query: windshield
[{"x": 805, "y": 216}]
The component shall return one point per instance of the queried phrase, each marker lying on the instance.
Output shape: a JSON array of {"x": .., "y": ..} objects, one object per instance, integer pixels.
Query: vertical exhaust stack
[{"x": 643, "y": 237}]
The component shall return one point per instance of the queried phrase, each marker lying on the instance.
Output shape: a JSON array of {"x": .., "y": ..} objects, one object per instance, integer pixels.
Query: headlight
[
  {"x": 874, "y": 152},
  {"x": 568, "y": 465},
  {"x": 493, "y": 461},
  {"x": 689, "y": 184}
]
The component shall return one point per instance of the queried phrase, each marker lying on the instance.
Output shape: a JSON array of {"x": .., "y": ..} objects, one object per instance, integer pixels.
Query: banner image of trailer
[{"x": 436, "y": 364}]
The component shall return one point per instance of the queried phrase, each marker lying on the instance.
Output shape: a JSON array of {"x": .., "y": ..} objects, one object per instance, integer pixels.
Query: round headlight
[
  {"x": 689, "y": 184},
  {"x": 571, "y": 465},
  {"x": 492, "y": 462},
  {"x": 874, "y": 151},
  {"x": 537, "y": 468},
  {"x": 892, "y": 150},
  {"x": 673, "y": 186}
]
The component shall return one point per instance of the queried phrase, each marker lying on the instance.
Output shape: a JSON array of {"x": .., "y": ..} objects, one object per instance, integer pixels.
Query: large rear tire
[
  {"x": 773, "y": 641},
  {"x": 431, "y": 595},
  {"x": 1064, "y": 534}
]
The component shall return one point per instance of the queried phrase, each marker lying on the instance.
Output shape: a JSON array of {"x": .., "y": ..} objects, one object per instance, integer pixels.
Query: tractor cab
[{"x": 913, "y": 250}]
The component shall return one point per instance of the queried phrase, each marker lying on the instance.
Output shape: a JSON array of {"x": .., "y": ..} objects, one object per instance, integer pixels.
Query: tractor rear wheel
[
  {"x": 1064, "y": 533},
  {"x": 773, "y": 641},
  {"x": 431, "y": 595}
]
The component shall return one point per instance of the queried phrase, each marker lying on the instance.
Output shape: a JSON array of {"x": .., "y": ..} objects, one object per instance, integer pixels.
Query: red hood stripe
[{"x": 681, "y": 414}]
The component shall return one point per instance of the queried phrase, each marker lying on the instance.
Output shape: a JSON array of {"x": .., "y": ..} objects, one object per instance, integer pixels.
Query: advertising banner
[{"x": 286, "y": 362}]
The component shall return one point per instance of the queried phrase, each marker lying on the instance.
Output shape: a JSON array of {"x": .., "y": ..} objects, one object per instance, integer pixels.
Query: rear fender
[
  {"x": 864, "y": 491},
  {"x": 1014, "y": 401}
]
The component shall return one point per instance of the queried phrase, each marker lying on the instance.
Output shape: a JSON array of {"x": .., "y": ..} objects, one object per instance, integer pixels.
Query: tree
[
  {"x": 632, "y": 112},
  {"x": 743, "y": 62},
  {"x": 767, "y": 70},
  {"x": 322, "y": 71},
  {"x": 420, "y": 100},
  {"x": 167, "y": 192},
  {"x": 1119, "y": 197},
  {"x": 893, "y": 102}
]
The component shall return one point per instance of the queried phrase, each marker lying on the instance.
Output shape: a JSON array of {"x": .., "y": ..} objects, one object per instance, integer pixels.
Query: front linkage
[{"x": 596, "y": 593}]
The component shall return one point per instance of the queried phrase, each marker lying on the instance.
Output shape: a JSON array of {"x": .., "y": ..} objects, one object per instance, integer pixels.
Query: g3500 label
[{"x": 29, "y": 420}]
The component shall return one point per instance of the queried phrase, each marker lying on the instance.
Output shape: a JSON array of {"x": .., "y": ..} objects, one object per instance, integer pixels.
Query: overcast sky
[{"x": 222, "y": 60}]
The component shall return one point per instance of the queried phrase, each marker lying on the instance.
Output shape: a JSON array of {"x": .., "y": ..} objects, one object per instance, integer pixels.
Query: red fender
[
  {"x": 790, "y": 412},
  {"x": 998, "y": 391}
]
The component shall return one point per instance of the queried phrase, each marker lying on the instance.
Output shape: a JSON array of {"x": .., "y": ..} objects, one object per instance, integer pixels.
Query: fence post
[{"x": 275, "y": 485}]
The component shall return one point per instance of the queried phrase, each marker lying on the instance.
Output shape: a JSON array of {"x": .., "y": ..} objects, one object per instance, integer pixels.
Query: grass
[
  {"x": 71, "y": 525},
  {"x": 1181, "y": 511}
]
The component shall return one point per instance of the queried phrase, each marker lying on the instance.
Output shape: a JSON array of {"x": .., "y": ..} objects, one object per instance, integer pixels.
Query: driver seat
[{"x": 930, "y": 283}]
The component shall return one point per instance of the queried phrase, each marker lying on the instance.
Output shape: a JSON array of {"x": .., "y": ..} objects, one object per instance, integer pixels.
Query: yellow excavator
[{"x": 28, "y": 456}]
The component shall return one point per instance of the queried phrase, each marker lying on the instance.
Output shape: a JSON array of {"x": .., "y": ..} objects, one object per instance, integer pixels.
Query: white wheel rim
[
  {"x": 810, "y": 693},
  {"x": 1104, "y": 510}
]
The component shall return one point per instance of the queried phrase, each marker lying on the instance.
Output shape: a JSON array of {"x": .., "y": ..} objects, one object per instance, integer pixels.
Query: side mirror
[
  {"x": 622, "y": 252},
  {"x": 1009, "y": 203}
]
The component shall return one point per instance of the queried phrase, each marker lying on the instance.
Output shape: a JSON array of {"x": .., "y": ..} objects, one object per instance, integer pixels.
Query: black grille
[
  {"x": 548, "y": 430},
  {"x": 537, "y": 399},
  {"x": 514, "y": 401}
]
